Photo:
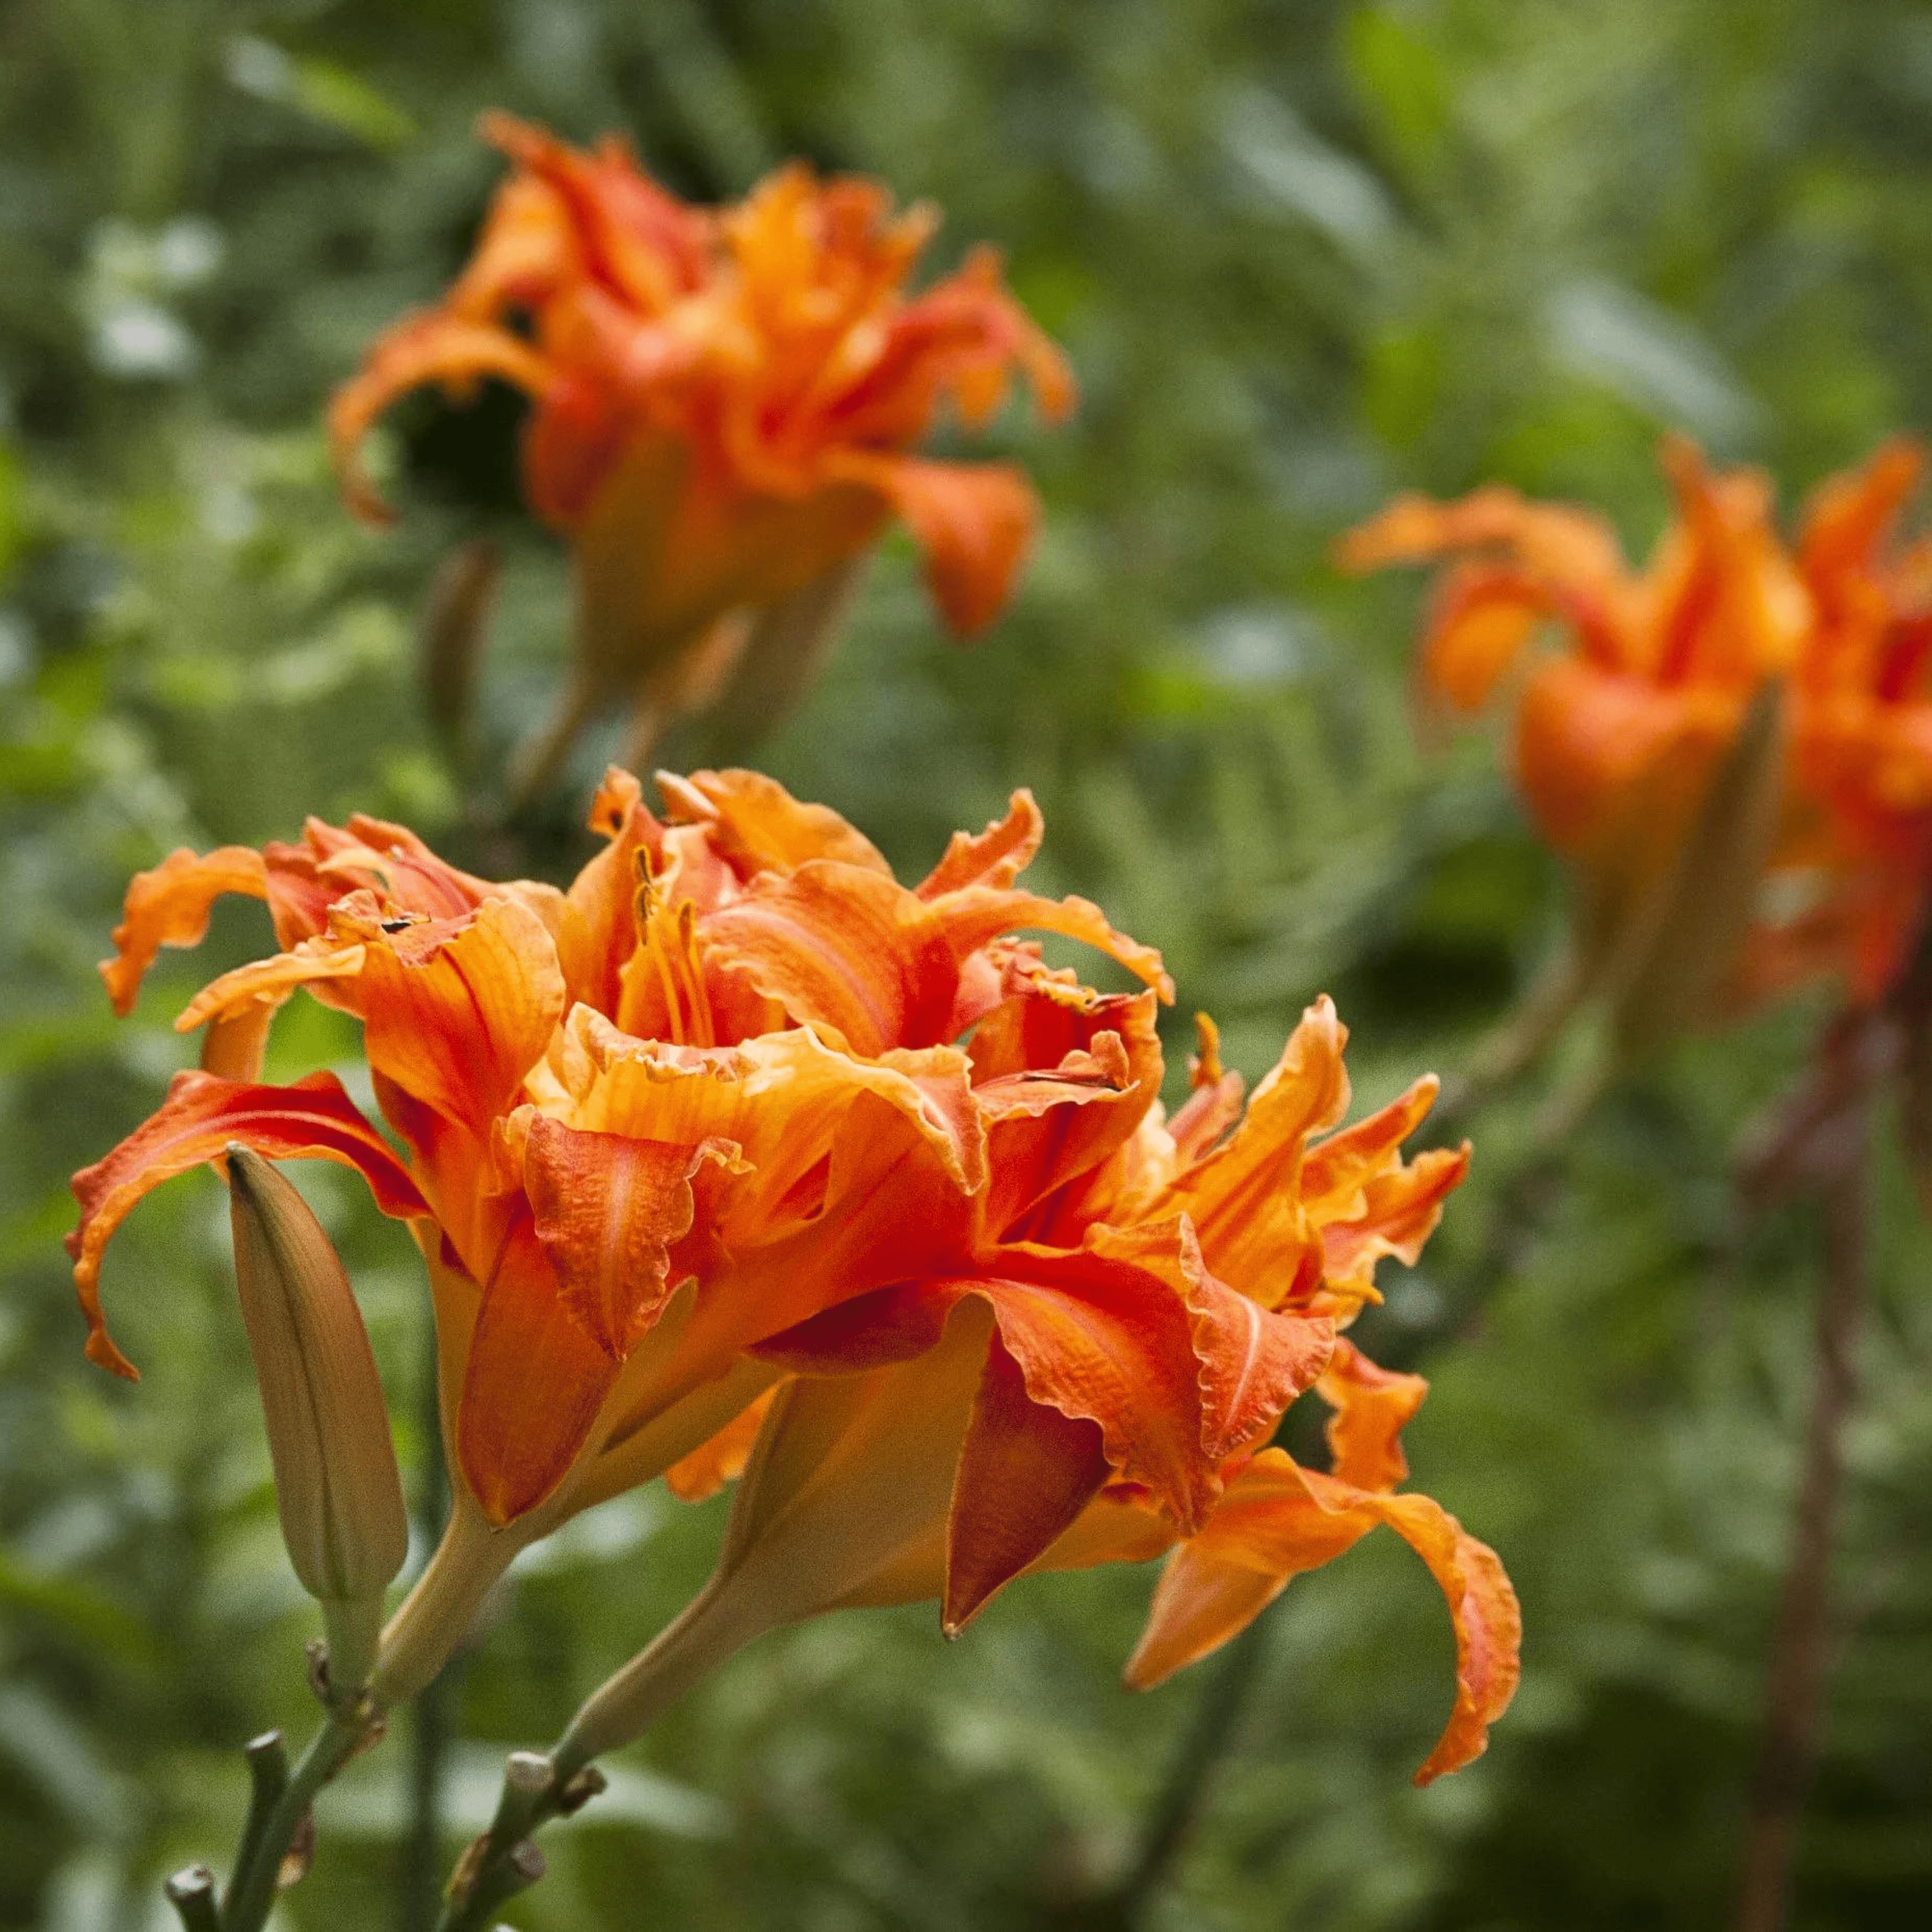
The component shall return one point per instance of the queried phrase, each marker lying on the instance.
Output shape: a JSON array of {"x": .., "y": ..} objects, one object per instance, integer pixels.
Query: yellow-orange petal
[
  {"x": 1265, "y": 1531},
  {"x": 756, "y": 826},
  {"x": 169, "y": 906},
  {"x": 697, "y": 1478},
  {"x": 268, "y": 982},
  {"x": 1483, "y": 1608}
]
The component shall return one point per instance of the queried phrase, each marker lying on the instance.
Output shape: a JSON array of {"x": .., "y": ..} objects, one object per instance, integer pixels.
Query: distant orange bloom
[
  {"x": 738, "y": 1107},
  {"x": 727, "y": 401},
  {"x": 1620, "y": 724}
]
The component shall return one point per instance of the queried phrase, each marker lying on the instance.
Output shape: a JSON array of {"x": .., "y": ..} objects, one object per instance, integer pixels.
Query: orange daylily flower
[
  {"x": 702, "y": 1095},
  {"x": 1097, "y": 1379},
  {"x": 1621, "y": 726},
  {"x": 738, "y": 1110},
  {"x": 740, "y": 1010},
  {"x": 726, "y": 402}
]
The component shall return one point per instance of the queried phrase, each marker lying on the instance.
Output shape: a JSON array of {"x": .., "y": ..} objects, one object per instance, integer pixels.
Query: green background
[{"x": 1301, "y": 255}]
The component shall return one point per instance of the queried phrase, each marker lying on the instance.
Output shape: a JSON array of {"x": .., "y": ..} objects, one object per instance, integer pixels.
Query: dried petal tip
[{"x": 337, "y": 1486}]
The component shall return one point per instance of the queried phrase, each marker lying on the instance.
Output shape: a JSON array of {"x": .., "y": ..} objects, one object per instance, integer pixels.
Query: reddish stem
[{"x": 1794, "y": 1688}]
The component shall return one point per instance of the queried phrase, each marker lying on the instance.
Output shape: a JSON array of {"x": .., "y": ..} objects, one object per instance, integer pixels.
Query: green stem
[
  {"x": 1191, "y": 1776},
  {"x": 191, "y": 1892},
  {"x": 251, "y": 1893},
  {"x": 504, "y": 1861},
  {"x": 421, "y": 1856}
]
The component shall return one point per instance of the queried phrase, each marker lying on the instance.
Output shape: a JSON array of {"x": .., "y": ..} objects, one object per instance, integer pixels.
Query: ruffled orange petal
[
  {"x": 973, "y": 523},
  {"x": 973, "y": 916},
  {"x": 455, "y": 1014},
  {"x": 267, "y": 983},
  {"x": 1277, "y": 1521},
  {"x": 1347, "y": 1159},
  {"x": 1098, "y": 1339},
  {"x": 840, "y": 948},
  {"x": 756, "y": 826},
  {"x": 313, "y": 1118},
  {"x": 994, "y": 857},
  {"x": 785, "y": 1100},
  {"x": 1372, "y": 1406},
  {"x": 1399, "y": 1210},
  {"x": 431, "y": 346},
  {"x": 532, "y": 1385},
  {"x": 1084, "y": 1078},
  {"x": 1251, "y": 1362},
  {"x": 608, "y": 1209},
  {"x": 1244, "y": 1196},
  {"x": 169, "y": 906}
]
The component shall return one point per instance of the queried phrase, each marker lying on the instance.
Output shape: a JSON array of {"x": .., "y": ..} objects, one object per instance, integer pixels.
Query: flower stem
[
  {"x": 421, "y": 1857},
  {"x": 1191, "y": 1775},
  {"x": 1794, "y": 1688},
  {"x": 191, "y": 1892},
  {"x": 251, "y": 1892}
]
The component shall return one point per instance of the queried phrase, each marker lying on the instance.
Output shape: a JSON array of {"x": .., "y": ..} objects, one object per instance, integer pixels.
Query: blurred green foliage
[{"x": 1302, "y": 254}]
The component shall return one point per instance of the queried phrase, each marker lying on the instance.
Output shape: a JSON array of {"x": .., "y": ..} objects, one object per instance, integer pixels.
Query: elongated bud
[
  {"x": 1682, "y": 943},
  {"x": 337, "y": 1485}
]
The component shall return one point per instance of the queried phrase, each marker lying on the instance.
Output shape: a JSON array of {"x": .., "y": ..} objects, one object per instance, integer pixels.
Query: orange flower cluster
[
  {"x": 1619, "y": 730},
  {"x": 738, "y": 1113},
  {"x": 725, "y": 399}
]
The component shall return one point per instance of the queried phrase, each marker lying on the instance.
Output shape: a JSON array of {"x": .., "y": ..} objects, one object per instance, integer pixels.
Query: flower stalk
[{"x": 1800, "y": 1654}]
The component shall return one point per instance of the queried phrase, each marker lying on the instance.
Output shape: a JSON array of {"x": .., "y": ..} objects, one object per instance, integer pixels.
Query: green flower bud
[{"x": 337, "y": 1486}]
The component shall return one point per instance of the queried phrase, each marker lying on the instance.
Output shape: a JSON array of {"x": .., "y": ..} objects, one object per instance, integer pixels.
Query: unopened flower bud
[
  {"x": 336, "y": 1487},
  {"x": 1681, "y": 945}
]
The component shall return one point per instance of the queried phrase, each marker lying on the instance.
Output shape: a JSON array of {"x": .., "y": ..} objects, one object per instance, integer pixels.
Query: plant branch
[
  {"x": 504, "y": 1860},
  {"x": 1191, "y": 1777},
  {"x": 251, "y": 1892},
  {"x": 1794, "y": 1688},
  {"x": 421, "y": 1857}
]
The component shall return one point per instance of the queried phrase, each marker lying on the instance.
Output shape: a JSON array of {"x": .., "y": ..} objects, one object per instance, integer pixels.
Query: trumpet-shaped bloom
[
  {"x": 1098, "y": 1379},
  {"x": 700, "y": 1096},
  {"x": 739, "y": 1127},
  {"x": 726, "y": 402},
  {"x": 1621, "y": 726}
]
